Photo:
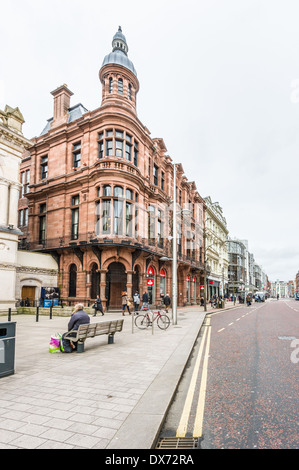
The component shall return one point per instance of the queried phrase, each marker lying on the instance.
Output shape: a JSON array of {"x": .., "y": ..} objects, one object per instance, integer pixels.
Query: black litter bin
[{"x": 7, "y": 348}]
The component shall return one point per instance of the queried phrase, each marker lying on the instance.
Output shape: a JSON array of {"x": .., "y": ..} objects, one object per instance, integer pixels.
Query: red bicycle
[{"x": 146, "y": 320}]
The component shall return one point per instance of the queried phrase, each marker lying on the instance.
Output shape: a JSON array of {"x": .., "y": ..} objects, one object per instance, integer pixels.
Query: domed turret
[
  {"x": 119, "y": 54},
  {"x": 118, "y": 75}
]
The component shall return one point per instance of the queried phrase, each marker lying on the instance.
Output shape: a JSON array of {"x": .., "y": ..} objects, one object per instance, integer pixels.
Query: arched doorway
[
  {"x": 28, "y": 295},
  {"x": 116, "y": 282},
  {"x": 95, "y": 281}
]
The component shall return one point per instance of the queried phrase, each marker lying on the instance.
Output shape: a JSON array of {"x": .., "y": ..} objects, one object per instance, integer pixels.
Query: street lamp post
[{"x": 174, "y": 253}]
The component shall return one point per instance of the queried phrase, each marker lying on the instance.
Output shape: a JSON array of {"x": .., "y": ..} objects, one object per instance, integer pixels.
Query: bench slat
[{"x": 90, "y": 330}]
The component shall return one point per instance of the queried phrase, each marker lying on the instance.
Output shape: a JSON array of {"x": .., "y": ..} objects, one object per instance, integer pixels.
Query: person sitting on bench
[{"x": 79, "y": 317}]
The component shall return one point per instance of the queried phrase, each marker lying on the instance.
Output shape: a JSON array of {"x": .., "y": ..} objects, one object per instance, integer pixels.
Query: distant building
[
  {"x": 216, "y": 249},
  {"x": 291, "y": 288},
  {"x": 237, "y": 273},
  {"x": 17, "y": 271},
  {"x": 279, "y": 288}
]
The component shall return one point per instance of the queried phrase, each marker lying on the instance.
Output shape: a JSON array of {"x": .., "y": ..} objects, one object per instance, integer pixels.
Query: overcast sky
[{"x": 219, "y": 82}]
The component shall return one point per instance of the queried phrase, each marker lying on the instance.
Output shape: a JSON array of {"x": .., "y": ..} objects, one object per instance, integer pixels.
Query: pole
[
  {"x": 205, "y": 288},
  {"x": 174, "y": 253}
]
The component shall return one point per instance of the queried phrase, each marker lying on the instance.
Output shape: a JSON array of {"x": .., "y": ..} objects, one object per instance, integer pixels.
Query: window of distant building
[
  {"x": 156, "y": 174},
  {"x": 23, "y": 218},
  {"x": 42, "y": 223},
  {"x": 76, "y": 155},
  {"x": 75, "y": 218},
  {"x": 151, "y": 224},
  {"x": 25, "y": 180},
  {"x": 44, "y": 167}
]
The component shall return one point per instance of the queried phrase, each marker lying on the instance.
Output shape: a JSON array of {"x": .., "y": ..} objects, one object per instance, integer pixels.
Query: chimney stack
[{"x": 62, "y": 97}]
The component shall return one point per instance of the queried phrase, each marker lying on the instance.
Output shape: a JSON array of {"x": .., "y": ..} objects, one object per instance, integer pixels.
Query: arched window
[
  {"x": 130, "y": 91},
  {"x": 129, "y": 194},
  {"x": 120, "y": 86},
  {"x": 162, "y": 282},
  {"x": 118, "y": 191},
  {"x": 72, "y": 280},
  {"x": 107, "y": 190},
  {"x": 110, "y": 84}
]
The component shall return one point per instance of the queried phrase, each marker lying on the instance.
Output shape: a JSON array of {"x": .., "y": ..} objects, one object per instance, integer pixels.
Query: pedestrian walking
[
  {"x": 167, "y": 302},
  {"x": 145, "y": 305},
  {"x": 125, "y": 302},
  {"x": 136, "y": 300},
  {"x": 98, "y": 306}
]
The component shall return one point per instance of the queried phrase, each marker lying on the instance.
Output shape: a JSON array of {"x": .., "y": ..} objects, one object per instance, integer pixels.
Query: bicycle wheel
[
  {"x": 142, "y": 322},
  {"x": 163, "y": 322}
]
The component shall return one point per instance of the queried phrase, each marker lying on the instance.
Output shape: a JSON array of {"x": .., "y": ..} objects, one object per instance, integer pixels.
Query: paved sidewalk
[{"x": 112, "y": 396}]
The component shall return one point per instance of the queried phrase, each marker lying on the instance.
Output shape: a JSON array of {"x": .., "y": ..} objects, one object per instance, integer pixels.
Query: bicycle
[{"x": 144, "y": 321}]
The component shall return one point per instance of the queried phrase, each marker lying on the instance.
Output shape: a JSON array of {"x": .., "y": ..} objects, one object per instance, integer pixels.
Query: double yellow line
[{"x": 197, "y": 430}]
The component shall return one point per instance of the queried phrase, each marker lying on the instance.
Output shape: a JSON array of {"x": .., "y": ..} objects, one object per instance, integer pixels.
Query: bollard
[
  {"x": 37, "y": 312},
  {"x": 51, "y": 307},
  {"x": 9, "y": 314}
]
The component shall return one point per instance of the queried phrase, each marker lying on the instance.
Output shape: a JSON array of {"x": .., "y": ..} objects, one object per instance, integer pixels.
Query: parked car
[{"x": 297, "y": 296}]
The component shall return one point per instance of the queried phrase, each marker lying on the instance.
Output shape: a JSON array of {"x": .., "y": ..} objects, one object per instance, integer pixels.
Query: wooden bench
[{"x": 91, "y": 330}]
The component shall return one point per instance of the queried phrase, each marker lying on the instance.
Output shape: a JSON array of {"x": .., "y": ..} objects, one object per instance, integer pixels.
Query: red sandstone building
[{"x": 99, "y": 193}]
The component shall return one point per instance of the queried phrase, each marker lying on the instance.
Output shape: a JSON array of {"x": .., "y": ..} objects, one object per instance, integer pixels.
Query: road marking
[
  {"x": 182, "y": 428},
  {"x": 238, "y": 319},
  {"x": 220, "y": 330},
  {"x": 230, "y": 323},
  {"x": 197, "y": 431}
]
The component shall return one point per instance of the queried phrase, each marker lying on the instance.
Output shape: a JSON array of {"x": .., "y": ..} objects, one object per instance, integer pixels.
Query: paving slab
[{"x": 112, "y": 396}]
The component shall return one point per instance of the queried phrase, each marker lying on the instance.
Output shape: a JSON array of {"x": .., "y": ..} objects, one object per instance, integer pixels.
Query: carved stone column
[
  {"x": 103, "y": 287},
  {"x": 13, "y": 205},
  {"x": 129, "y": 284},
  {"x": 3, "y": 202}
]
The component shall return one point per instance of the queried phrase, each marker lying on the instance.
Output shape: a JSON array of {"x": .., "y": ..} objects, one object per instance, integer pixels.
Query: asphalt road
[{"x": 240, "y": 388}]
